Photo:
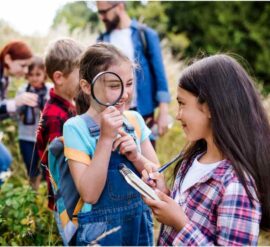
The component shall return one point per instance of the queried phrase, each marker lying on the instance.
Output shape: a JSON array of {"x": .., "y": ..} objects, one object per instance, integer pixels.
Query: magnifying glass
[{"x": 107, "y": 88}]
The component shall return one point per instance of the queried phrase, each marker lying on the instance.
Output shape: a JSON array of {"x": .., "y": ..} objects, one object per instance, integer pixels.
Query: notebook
[{"x": 138, "y": 184}]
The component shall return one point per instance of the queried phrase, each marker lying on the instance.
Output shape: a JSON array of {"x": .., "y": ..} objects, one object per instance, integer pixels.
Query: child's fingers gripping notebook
[{"x": 139, "y": 185}]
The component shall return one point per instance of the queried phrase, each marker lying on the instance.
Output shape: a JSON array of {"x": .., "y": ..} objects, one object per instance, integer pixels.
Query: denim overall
[{"x": 118, "y": 206}]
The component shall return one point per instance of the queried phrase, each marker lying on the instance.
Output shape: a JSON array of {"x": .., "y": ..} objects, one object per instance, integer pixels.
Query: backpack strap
[
  {"x": 56, "y": 148},
  {"x": 132, "y": 119},
  {"x": 91, "y": 125},
  {"x": 143, "y": 38},
  {"x": 130, "y": 125},
  {"x": 141, "y": 29}
]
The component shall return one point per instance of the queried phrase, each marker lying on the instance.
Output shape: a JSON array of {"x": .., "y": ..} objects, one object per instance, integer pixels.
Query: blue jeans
[
  {"x": 30, "y": 157},
  {"x": 5, "y": 159}
]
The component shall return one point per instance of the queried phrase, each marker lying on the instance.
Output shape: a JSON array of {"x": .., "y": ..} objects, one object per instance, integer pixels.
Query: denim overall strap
[
  {"x": 95, "y": 129},
  {"x": 91, "y": 125},
  {"x": 119, "y": 205}
]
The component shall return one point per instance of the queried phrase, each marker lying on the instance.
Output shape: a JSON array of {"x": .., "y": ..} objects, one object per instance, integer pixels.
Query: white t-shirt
[
  {"x": 121, "y": 38},
  {"x": 196, "y": 172}
]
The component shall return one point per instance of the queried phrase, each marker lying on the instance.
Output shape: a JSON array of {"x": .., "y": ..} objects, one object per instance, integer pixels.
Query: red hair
[{"x": 18, "y": 50}]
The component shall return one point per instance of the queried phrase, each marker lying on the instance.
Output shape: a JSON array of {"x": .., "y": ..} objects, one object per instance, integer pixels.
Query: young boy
[{"x": 61, "y": 61}]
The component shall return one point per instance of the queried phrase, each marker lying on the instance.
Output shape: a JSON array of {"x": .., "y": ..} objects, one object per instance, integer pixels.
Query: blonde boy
[{"x": 61, "y": 61}]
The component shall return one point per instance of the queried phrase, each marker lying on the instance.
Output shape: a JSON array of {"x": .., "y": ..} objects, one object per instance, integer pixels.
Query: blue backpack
[{"x": 67, "y": 199}]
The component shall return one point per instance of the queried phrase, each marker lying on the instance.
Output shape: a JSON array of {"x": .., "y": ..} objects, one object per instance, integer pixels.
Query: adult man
[{"x": 151, "y": 84}]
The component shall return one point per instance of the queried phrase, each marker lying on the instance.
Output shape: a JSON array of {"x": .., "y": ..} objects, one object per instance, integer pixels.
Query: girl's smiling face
[
  {"x": 194, "y": 117},
  {"x": 125, "y": 71},
  {"x": 17, "y": 67},
  {"x": 109, "y": 88}
]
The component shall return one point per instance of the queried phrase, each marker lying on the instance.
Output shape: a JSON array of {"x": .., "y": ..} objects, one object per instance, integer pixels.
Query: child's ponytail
[{"x": 82, "y": 102}]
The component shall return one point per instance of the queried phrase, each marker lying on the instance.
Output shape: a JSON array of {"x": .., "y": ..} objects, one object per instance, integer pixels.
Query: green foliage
[
  {"x": 15, "y": 217},
  {"x": 211, "y": 27},
  {"x": 168, "y": 147},
  {"x": 24, "y": 218},
  {"x": 76, "y": 15},
  {"x": 152, "y": 14}
]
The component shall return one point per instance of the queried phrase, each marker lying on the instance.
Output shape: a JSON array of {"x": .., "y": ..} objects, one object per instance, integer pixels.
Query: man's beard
[{"x": 111, "y": 25}]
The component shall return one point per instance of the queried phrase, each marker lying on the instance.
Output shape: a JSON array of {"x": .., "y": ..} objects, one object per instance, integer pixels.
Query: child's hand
[
  {"x": 163, "y": 119},
  {"x": 111, "y": 121},
  {"x": 26, "y": 98},
  {"x": 127, "y": 146},
  {"x": 153, "y": 178},
  {"x": 167, "y": 211}
]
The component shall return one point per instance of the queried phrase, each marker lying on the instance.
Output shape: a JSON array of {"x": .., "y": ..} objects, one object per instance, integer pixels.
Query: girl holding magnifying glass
[{"x": 101, "y": 138}]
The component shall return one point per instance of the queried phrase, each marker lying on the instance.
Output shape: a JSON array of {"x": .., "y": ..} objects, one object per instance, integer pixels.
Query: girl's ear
[
  {"x": 205, "y": 109},
  {"x": 85, "y": 86},
  {"x": 7, "y": 59}
]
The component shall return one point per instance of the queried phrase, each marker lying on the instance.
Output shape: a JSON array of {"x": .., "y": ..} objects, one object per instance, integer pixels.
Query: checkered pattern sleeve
[{"x": 238, "y": 220}]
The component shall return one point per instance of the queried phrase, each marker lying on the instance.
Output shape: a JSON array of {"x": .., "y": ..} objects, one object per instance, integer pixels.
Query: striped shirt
[{"x": 218, "y": 208}]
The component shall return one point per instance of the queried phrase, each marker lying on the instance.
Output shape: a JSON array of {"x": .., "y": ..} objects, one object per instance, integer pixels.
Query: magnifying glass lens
[{"x": 107, "y": 88}]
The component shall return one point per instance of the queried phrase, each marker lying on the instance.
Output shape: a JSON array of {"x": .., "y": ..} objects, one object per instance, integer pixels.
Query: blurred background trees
[{"x": 192, "y": 28}]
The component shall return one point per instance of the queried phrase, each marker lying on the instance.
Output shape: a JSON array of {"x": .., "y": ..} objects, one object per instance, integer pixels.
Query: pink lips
[{"x": 120, "y": 105}]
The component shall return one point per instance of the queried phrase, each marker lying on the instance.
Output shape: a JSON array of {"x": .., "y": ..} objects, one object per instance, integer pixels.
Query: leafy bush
[
  {"x": 238, "y": 27},
  {"x": 24, "y": 218}
]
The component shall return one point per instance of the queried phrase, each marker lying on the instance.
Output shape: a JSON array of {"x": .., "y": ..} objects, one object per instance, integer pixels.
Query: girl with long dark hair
[{"x": 221, "y": 193}]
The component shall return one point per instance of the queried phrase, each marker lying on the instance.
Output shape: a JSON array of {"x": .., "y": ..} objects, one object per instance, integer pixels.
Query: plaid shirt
[
  {"x": 218, "y": 208},
  {"x": 55, "y": 113}
]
